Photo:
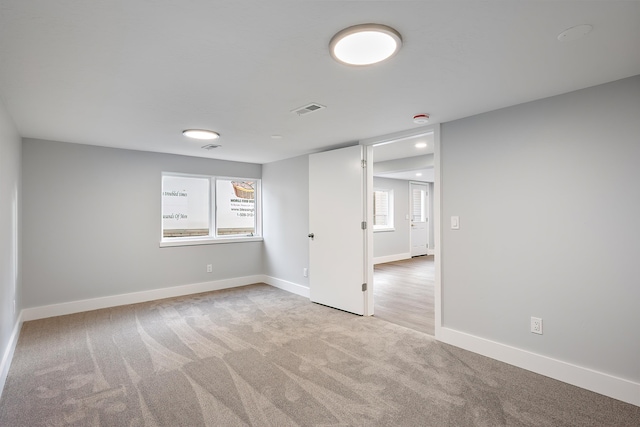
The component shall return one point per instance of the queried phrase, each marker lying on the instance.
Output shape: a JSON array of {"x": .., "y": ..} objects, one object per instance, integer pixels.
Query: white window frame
[
  {"x": 212, "y": 238},
  {"x": 390, "y": 226}
]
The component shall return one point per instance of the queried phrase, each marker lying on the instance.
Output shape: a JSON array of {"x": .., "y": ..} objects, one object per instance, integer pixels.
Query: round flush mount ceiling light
[
  {"x": 365, "y": 44},
  {"x": 201, "y": 134}
]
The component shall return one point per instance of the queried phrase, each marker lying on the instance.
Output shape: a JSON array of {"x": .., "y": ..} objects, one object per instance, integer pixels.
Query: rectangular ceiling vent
[
  {"x": 210, "y": 146},
  {"x": 308, "y": 109}
]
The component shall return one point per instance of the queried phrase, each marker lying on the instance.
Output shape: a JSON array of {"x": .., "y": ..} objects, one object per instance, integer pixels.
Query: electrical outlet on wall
[
  {"x": 536, "y": 325},
  {"x": 209, "y": 268}
]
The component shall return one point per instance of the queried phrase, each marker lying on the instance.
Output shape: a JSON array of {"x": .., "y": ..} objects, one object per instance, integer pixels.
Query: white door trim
[
  {"x": 437, "y": 230},
  {"x": 368, "y": 241}
]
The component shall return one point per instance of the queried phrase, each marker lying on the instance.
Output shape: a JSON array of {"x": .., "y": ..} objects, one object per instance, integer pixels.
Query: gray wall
[
  {"x": 285, "y": 186},
  {"x": 91, "y": 224},
  {"x": 10, "y": 194},
  {"x": 548, "y": 198},
  {"x": 386, "y": 243}
]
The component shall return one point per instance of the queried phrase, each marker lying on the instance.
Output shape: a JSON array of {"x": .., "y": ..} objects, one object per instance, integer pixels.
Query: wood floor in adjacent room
[{"x": 403, "y": 293}]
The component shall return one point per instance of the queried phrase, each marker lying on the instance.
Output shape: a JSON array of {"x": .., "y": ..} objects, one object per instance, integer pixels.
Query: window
[
  {"x": 206, "y": 209},
  {"x": 235, "y": 207},
  {"x": 185, "y": 206},
  {"x": 418, "y": 205},
  {"x": 382, "y": 210}
]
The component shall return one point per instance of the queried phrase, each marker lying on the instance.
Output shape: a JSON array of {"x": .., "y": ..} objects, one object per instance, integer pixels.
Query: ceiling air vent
[
  {"x": 308, "y": 109},
  {"x": 211, "y": 146}
]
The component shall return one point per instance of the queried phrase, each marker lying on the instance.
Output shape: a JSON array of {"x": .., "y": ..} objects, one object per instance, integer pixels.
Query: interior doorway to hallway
[{"x": 405, "y": 287}]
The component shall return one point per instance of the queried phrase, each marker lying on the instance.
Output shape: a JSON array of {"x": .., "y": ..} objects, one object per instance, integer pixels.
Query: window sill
[
  {"x": 382, "y": 230},
  {"x": 208, "y": 241}
]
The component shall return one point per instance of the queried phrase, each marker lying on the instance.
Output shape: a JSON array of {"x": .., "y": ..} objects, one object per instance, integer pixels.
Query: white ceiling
[
  {"x": 404, "y": 148},
  {"x": 134, "y": 73},
  {"x": 421, "y": 175}
]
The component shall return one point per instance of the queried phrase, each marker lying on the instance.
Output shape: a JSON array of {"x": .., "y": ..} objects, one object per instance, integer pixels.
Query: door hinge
[
  {"x": 364, "y": 225},
  {"x": 364, "y": 287},
  {"x": 363, "y": 163}
]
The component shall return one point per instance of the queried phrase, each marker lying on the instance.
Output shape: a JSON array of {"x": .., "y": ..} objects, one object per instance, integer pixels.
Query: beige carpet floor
[{"x": 260, "y": 356}]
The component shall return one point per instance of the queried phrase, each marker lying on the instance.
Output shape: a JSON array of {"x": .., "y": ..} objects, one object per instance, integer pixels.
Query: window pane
[
  {"x": 235, "y": 207},
  {"x": 419, "y": 213},
  {"x": 380, "y": 208},
  {"x": 383, "y": 209},
  {"x": 185, "y": 206}
]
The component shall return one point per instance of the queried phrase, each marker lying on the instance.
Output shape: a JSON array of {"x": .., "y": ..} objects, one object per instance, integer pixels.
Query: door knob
[{"x": 311, "y": 236}]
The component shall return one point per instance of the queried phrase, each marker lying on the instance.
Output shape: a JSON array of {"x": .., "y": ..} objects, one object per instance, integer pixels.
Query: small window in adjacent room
[
  {"x": 418, "y": 205},
  {"x": 382, "y": 210},
  {"x": 207, "y": 209}
]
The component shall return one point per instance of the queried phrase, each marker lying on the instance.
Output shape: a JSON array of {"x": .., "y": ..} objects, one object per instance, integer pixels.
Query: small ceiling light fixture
[
  {"x": 421, "y": 145},
  {"x": 419, "y": 174},
  {"x": 365, "y": 44},
  {"x": 201, "y": 134},
  {"x": 575, "y": 33},
  {"x": 421, "y": 119}
]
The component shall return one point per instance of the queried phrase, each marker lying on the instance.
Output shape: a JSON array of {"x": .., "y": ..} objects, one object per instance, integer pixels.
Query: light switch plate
[{"x": 455, "y": 222}]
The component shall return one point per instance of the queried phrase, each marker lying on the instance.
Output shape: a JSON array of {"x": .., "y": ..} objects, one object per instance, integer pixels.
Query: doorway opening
[{"x": 404, "y": 267}]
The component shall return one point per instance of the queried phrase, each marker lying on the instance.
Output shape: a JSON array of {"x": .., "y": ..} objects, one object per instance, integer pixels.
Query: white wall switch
[
  {"x": 305, "y": 272},
  {"x": 455, "y": 222}
]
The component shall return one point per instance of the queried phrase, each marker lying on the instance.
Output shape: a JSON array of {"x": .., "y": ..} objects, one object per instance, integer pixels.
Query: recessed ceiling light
[
  {"x": 276, "y": 136},
  {"x": 418, "y": 174},
  {"x": 365, "y": 44},
  {"x": 200, "y": 134},
  {"x": 421, "y": 145}
]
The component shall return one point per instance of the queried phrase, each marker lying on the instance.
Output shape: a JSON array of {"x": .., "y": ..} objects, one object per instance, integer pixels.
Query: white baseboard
[
  {"x": 431, "y": 251},
  {"x": 135, "y": 297},
  {"x": 599, "y": 382},
  {"x": 285, "y": 285},
  {"x": 7, "y": 357},
  {"x": 391, "y": 258}
]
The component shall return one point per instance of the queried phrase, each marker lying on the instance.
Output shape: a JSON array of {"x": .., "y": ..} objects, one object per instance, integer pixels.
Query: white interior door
[
  {"x": 336, "y": 238},
  {"x": 419, "y": 218}
]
